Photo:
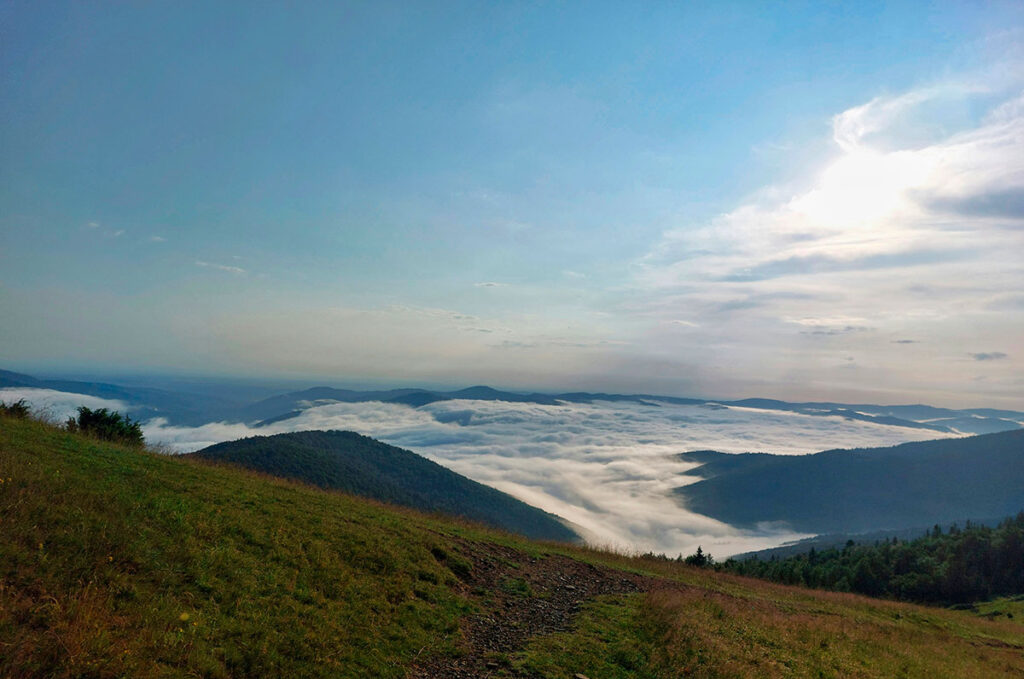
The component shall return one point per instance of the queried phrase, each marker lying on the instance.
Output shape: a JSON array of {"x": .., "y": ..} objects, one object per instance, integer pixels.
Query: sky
[{"x": 791, "y": 200}]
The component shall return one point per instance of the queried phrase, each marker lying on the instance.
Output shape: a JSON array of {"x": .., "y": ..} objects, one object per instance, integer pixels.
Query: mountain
[
  {"x": 912, "y": 416},
  {"x": 122, "y": 563},
  {"x": 346, "y": 461},
  {"x": 861, "y": 490},
  {"x": 195, "y": 403}
]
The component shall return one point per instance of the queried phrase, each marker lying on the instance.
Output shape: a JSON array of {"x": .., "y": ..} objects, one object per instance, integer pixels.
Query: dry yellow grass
[{"x": 758, "y": 630}]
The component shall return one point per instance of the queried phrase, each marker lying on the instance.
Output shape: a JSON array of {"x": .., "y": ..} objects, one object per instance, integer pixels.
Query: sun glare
[{"x": 862, "y": 189}]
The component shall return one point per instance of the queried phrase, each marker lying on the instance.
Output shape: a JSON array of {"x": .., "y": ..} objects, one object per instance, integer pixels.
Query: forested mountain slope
[{"x": 836, "y": 491}]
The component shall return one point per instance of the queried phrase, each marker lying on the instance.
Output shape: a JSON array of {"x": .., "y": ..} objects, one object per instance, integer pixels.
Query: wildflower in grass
[{"x": 183, "y": 617}]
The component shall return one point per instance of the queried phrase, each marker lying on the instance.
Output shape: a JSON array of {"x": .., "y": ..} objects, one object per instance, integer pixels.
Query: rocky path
[{"x": 522, "y": 597}]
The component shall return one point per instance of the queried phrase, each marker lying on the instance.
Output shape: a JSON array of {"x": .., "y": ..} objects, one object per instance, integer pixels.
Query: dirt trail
[{"x": 522, "y": 597}]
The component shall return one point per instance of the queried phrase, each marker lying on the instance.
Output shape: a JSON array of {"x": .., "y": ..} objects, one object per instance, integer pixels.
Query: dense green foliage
[
  {"x": 107, "y": 426},
  {"x": 115, "y": 562},
  {"x": 343, "y": 460},
  {"x": 962, "y": 565},
  {"x": 853, "y": 491}
]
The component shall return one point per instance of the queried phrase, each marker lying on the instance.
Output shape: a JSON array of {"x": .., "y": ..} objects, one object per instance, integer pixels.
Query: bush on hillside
[
  {"x": 700, "y": 559},
  {"x": 107, "y": 425},
  {"x": 18, "y": 409}
]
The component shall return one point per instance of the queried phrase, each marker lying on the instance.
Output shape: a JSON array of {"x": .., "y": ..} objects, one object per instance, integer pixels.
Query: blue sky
[{"x": 815, "y": 200}]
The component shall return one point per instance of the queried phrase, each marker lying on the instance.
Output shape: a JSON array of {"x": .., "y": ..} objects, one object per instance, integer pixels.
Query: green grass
[
  {"x": 116, "y": 562},
  {"x": 122, "y": 563},
  {"x": 726, "y": 627},
  {"x": 619, "y": 626},
  {"x": 1007, "y": 608}
]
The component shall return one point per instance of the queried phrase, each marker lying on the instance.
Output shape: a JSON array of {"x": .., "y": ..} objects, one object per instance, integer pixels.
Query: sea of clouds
[{"x": 608, "y": 467}]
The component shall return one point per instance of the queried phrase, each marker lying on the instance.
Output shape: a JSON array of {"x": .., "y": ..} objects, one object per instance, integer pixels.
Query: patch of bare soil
[{"x": 522, "y": 597}]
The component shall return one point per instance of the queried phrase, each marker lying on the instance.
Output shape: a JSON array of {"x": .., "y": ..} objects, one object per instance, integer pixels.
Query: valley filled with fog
[{"x": 608, "y": 467}]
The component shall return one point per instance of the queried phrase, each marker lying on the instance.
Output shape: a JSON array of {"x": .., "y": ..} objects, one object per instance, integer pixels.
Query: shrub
[
  {"x": 18, "y": 409},
  {"x": 107, "y": 425},
  {"x": 700, "y": 559}
]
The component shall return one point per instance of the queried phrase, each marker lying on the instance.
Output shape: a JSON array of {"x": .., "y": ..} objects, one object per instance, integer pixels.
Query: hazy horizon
[{"x": 276, "y": 384}]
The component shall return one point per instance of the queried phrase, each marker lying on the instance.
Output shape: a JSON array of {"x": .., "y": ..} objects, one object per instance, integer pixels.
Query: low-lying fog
[{"x": 609, "y": 467}]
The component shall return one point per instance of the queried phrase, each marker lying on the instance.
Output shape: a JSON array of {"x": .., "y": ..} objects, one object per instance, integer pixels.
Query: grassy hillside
[
  {"x": 344, "y": 460},
  {"x": 849, "y": 491},
  {"x": 120, "y": 563}
]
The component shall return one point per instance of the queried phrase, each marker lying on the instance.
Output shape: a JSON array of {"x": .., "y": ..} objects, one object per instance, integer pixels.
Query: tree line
[{"x": 960, "y": 565}]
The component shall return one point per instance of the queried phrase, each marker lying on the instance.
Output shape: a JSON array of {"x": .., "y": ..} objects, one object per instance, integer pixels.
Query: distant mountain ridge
[
  {"x": 193, "y": 408},
  {"x": 350, "y": 462},
  {"x": 862, "y": 490}
]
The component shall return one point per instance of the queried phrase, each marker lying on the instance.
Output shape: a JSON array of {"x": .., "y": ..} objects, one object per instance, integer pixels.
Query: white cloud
[
  {"x": 608, "y": 467},
  {"x": 490, "y": 284},
  {"x": 220, "y": 267},
  {"x": 104, "y": 231}
]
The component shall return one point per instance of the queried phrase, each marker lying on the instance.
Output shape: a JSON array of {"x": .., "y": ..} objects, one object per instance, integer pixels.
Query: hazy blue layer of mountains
[
  {"x": 346, "y": 461},
  {"x": 969, "y": 421},
  {"x": 200, "y": 404},
  {"x": 851, "y": 491}
]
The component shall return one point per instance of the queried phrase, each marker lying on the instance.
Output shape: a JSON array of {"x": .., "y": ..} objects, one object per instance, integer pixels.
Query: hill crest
[{"x": 357, "y": 464}]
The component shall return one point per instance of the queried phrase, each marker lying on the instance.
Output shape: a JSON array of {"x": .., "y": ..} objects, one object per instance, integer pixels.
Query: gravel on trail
[{"x": 522, "y": 596}]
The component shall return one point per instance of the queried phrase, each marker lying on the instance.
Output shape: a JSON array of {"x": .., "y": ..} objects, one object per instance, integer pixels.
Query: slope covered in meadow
[
  {"x": 346, "y": 461},
  {"x": 116, "y": 562}
]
